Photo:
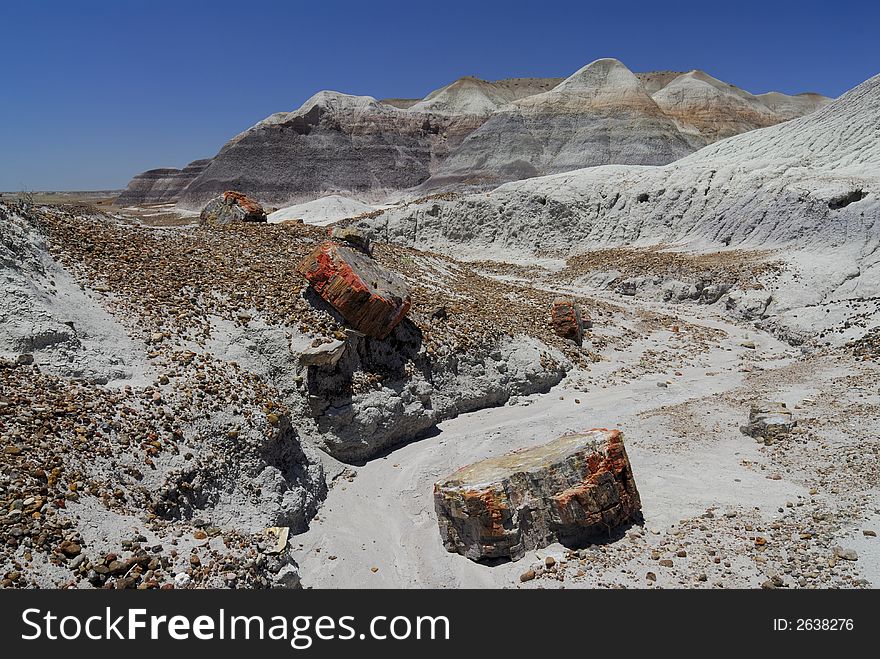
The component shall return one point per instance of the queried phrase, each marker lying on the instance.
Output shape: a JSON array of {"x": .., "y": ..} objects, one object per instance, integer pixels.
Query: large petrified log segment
[
  {"x": 231, "y": 207},
  {"x": 575, "y": 488},
  {"x": 372, "y": 299}
]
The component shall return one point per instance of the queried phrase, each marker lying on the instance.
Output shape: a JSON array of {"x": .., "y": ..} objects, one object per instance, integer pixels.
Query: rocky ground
[
  {"x": 195, "y": 427},
  {"x": 196, "y": 452}
]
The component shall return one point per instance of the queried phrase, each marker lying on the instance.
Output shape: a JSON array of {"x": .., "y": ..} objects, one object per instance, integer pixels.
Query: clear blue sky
[{"x": 94, "y": 92}]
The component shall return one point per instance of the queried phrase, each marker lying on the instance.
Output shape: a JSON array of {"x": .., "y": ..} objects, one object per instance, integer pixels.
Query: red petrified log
[
  {"x": 251, "y": 207},
  {"x": 372, "y": 299},
  {"x": 232, "y": 207},
  {"x": 565, "y": 317}
]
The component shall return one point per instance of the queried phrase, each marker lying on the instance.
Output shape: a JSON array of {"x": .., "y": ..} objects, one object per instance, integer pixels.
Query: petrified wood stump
[{"x": 576, "y": 488}]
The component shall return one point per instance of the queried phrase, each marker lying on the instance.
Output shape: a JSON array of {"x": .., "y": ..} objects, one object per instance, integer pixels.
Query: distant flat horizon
[{"x": 105, "y": 90}]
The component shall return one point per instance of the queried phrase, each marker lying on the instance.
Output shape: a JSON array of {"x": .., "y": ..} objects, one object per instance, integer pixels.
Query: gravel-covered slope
[{"x": 181, "y": 421}]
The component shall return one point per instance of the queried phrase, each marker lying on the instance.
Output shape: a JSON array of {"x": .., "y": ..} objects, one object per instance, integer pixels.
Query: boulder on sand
[
  {"x": 565, "y": 317},
  {"x": 577, "y": 487},
  {"x": 372, "y": 300},
  {"x": 769, "y": 421},
  {"x": 232, "y": 207}
]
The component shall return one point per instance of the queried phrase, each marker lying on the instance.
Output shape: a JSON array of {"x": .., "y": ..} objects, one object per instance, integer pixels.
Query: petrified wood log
[
  {"x": 576, "y": 488},
  {"x": 565, "y": 317},
  {"x": 372, "y": 300},
  {"x": 231, "y": 207}
]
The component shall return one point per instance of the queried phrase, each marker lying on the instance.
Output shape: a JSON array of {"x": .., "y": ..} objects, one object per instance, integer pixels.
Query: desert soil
[{"x": 720, "y": 508}]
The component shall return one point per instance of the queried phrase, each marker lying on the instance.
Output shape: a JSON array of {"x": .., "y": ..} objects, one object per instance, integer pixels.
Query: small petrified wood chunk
[
  {"x": 769, "y": 420},
  {"x": 565, "y": 317}
]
